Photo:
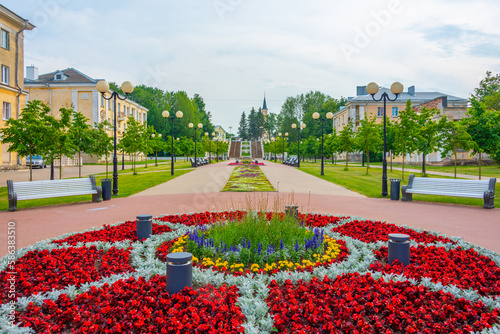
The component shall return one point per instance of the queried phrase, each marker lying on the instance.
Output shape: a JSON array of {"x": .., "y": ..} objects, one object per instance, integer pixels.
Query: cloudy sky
[{"x": 231, "y": 52}]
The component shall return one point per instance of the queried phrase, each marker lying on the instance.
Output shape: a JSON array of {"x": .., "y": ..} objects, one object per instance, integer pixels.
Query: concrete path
[{"x": 199, "y": 191}]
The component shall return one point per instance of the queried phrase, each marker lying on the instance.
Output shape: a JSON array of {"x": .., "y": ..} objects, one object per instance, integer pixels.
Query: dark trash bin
[
  {"x": 395, "y": 187},
  {"x": 106, "y": 189}
]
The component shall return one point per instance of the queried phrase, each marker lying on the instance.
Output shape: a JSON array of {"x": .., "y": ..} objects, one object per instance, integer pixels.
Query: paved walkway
[{"x": 199, "y": 191}]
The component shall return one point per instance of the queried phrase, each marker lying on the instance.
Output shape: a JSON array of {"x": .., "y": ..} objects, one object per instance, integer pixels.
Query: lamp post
[
  {"x": 103, "y": 87},
  {"x": 316, "y": 116},
  {"x": 213, "y": 135},
  {"x": 166, "y": 115},
  {"x": 191, "y": 126},
  {"x": 274, "y": 144},
  {"x": 283, "y": 156},
  {"x": 210, "y": 147},
  {"x": 294, "y": 126},
  {"x": 396, "y": 88}
]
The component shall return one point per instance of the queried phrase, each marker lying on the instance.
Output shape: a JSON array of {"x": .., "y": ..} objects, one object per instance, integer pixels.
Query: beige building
[
  {"x": 363, "y": 106},
  {"x": 12, "y": 93},
  {"x": 71, "y": 88}
]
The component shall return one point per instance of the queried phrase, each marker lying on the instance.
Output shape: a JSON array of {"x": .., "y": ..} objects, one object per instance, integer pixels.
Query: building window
[
  {"x": 5, "y": 74},
  {"x": 395, "y": 111},
  {"x": 5, "y": 39},
  {"x": 380, "y": 111},
  {"x": 6, "y": 110}
]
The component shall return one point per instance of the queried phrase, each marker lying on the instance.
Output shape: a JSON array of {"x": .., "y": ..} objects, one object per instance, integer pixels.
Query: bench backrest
[
  {"x": 69, "y": 186},
  {"x": 452, "y": 185}
]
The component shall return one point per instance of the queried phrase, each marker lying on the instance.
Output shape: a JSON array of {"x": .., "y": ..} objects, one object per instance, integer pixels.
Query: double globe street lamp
[
  {"x": 166, "y": 115},
  {"x": 396, "y": 88},
  {"x": 103, "y": 88},
  {"x": 191, "y": 126},
  {"x": 316, "y": 116},
  {"x": 294, "y": 126}
]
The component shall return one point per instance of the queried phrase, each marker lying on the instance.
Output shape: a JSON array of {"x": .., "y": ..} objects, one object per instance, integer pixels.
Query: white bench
[
  {"x": 484, "y": 189},
  {"x": 20, "y": 191}
]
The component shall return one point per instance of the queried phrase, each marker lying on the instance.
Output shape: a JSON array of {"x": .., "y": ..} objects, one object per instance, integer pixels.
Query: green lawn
[
  {"x": 486, "y": 171},
  {"x": 355, "y": 179},
  {"x": 128, "y": 184}
]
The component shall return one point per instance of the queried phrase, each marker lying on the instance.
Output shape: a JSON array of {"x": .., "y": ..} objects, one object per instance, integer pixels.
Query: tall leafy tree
[
  {"x": 243, "y": 128},
  {"x": 27, "y": 134},
  {"x": 454, "y": 136},
  {"x": 59, "y": 142},
  {"x": 487, "y": 87},
  {"x": 405, "y": 134},
  {"x": 133, "y": 140},
  {"x": 427, "y": 129},
  {"x": 368, "y": 138},
  {"x": 81, "y": 136},
  {"x": 332, "y": 143},
  {"x": 484, "y": 128},
  {"x": 102, "y": 144},
  {"x": 347, "y": 141},
  {"x": 253, "y": 126}
]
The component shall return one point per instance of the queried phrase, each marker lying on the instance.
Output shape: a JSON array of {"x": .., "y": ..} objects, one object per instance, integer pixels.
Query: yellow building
[
  {"x": 12, "y": 94},
  {"x": 71, "y": 88}
]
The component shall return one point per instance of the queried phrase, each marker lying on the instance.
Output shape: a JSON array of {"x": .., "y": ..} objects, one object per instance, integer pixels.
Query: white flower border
[{"x": 252, "y": 287}]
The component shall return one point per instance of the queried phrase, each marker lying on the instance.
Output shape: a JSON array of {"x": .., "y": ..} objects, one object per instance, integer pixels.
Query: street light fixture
[
  {"x": 166, "y": 115},
  {"x": 274, "y": 144},
  {"x": 316, "y": 116},
  {"x": 191, "y": 126},
  {"x": 103, "y": 88},
  {"x": 294, "y": 126},
  {"x": 396, "y": 88}
]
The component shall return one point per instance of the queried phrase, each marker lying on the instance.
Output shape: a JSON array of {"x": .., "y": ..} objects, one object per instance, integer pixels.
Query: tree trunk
[
  {"x": 31, "y": 168},
  {"x": 146, "y": 165},
  {"x": 106, "y": 166},
  {"x": 403, "y": 169},
  {"x": 346, "y": 161},
  {"x": 367, "y": 162},
  {"x": 423, "y": 163},
  {"x": 480, "y": 165},
  {"x": 79, "y": 164},
  {"x": 455, "y": 162},
  {"x": 390, "y": 154}
]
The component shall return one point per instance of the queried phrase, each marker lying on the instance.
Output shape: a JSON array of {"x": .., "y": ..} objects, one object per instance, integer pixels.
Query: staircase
[
  {"x": 235, "y": 149},
  {"x": 256, "y": 150}
]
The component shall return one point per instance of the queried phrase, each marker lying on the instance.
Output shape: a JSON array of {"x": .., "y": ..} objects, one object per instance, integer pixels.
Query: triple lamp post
[
  {"x": 294, "y": 126},
  {"x": 191, "y": 126},
  {"x": 316, "y": 116},
  {"x": 166, "y": 115}
]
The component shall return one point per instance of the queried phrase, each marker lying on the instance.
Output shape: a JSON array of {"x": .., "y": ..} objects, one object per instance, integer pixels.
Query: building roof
[
  {"x": 69, "y": 76},
  {"x": 417, "y": 97},
  {"x": 14, "y": 18},
  {"x": 264, "y": 106}
]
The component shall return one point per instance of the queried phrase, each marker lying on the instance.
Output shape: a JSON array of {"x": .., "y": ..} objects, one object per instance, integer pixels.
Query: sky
[{"x": 232, "y": 52}]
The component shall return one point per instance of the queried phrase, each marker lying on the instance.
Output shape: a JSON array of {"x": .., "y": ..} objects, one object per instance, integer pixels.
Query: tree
[
  {"x": 347, "y": 142},
  {"x": 484, "y": 128},
  {"x": 243, "y": 128},
  {"x": 368, "y": 138},
  {"x": 427, "y": 130},
  {"x": 27, "y": 134},
  {"x": 58, "y": 141},
  {"x": 81, "y": 136},
  {"x": 253, "y": 126},
  {"x": 453, "y": 135},
  {"x": 405, "y": 134},
  {"x": 487, "y": 87},
  {"x": 133, "y": 140},
  {"x": 102, "y": 144},
  {"x": 332, "y": 143}
]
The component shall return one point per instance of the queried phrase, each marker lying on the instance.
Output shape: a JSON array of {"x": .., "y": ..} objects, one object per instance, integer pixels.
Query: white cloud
[{"x": 231, "y": 51}]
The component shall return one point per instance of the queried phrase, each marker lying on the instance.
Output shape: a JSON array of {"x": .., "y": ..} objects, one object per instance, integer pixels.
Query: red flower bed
[
  {"x": 360, "y": 304},
  {"x": 116, "y": 233},
  {"x": 42, "y": 271},
  {"x": 139, "y": 306},
  {"x": 203, "y": 218},
  {"x": 463, "y": 268},
  {"x": 373, "y": 231}
]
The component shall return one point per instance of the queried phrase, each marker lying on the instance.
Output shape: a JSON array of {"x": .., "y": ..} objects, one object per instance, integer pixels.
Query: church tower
[{"x": 264, "y": 107}]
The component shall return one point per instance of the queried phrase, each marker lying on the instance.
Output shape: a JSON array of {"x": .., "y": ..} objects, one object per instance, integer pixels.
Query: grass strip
[{"x": 248, "y": 178}]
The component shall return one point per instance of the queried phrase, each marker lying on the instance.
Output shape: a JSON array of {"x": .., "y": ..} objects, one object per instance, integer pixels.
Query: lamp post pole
[
  {"x": 294, "y": 126},
  {"x": 274, "y": 144},
  {"x": 191, "y": 126},
  {"x": 396, "y": 88},
  {"x": 103, "y": 88},
  {"x": 166, "y": 115},
  {"x": 316, "y": 116}
]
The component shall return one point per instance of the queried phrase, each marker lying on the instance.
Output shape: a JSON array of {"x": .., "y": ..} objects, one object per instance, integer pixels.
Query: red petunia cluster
[
  {"x": 42, "y": 271},
  {"x": 356, "y": 303},
  {"x": 139, "y": 306},
  {"x": 373, "y": 231},
  {"x": 203, "y": 218},
  {"x": 463, "y": 268},
  {"x": 125, "y": 231}
]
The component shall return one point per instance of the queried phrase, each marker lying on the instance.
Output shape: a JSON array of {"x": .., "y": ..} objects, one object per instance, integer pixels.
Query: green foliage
[
  {"x": 488, "y": 86},
  {"x": 27, "y": 135},
  {"x": 102, "y": 143},
  {"x": 405, "y": 134},
  {"x": 133, "y": 140},
  {"x": 426, "y": 134},
  {"x": 243, "y": 128},
  {"x": 368, "y": 138},
  {"x": 81, "y": 136},
  {"x": 347, "y": 142},
  {"x": 59, "y": 141},
  {"x": 454, "y": 136}
]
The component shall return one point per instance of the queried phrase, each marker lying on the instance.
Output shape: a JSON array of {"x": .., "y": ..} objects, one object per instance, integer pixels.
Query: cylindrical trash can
[
  {"x": 395, "y": 186},
  {"x": 144, "y": 226},
  {"x": 399, "y": 248},
  {"x": 106, "y": 189},
  {"x": 179, "y": 271},
  {"x": 292, "y": 211}
]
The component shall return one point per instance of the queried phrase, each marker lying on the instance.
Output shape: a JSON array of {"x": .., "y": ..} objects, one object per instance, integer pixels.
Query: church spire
[{"x": 264, "y": 106}]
